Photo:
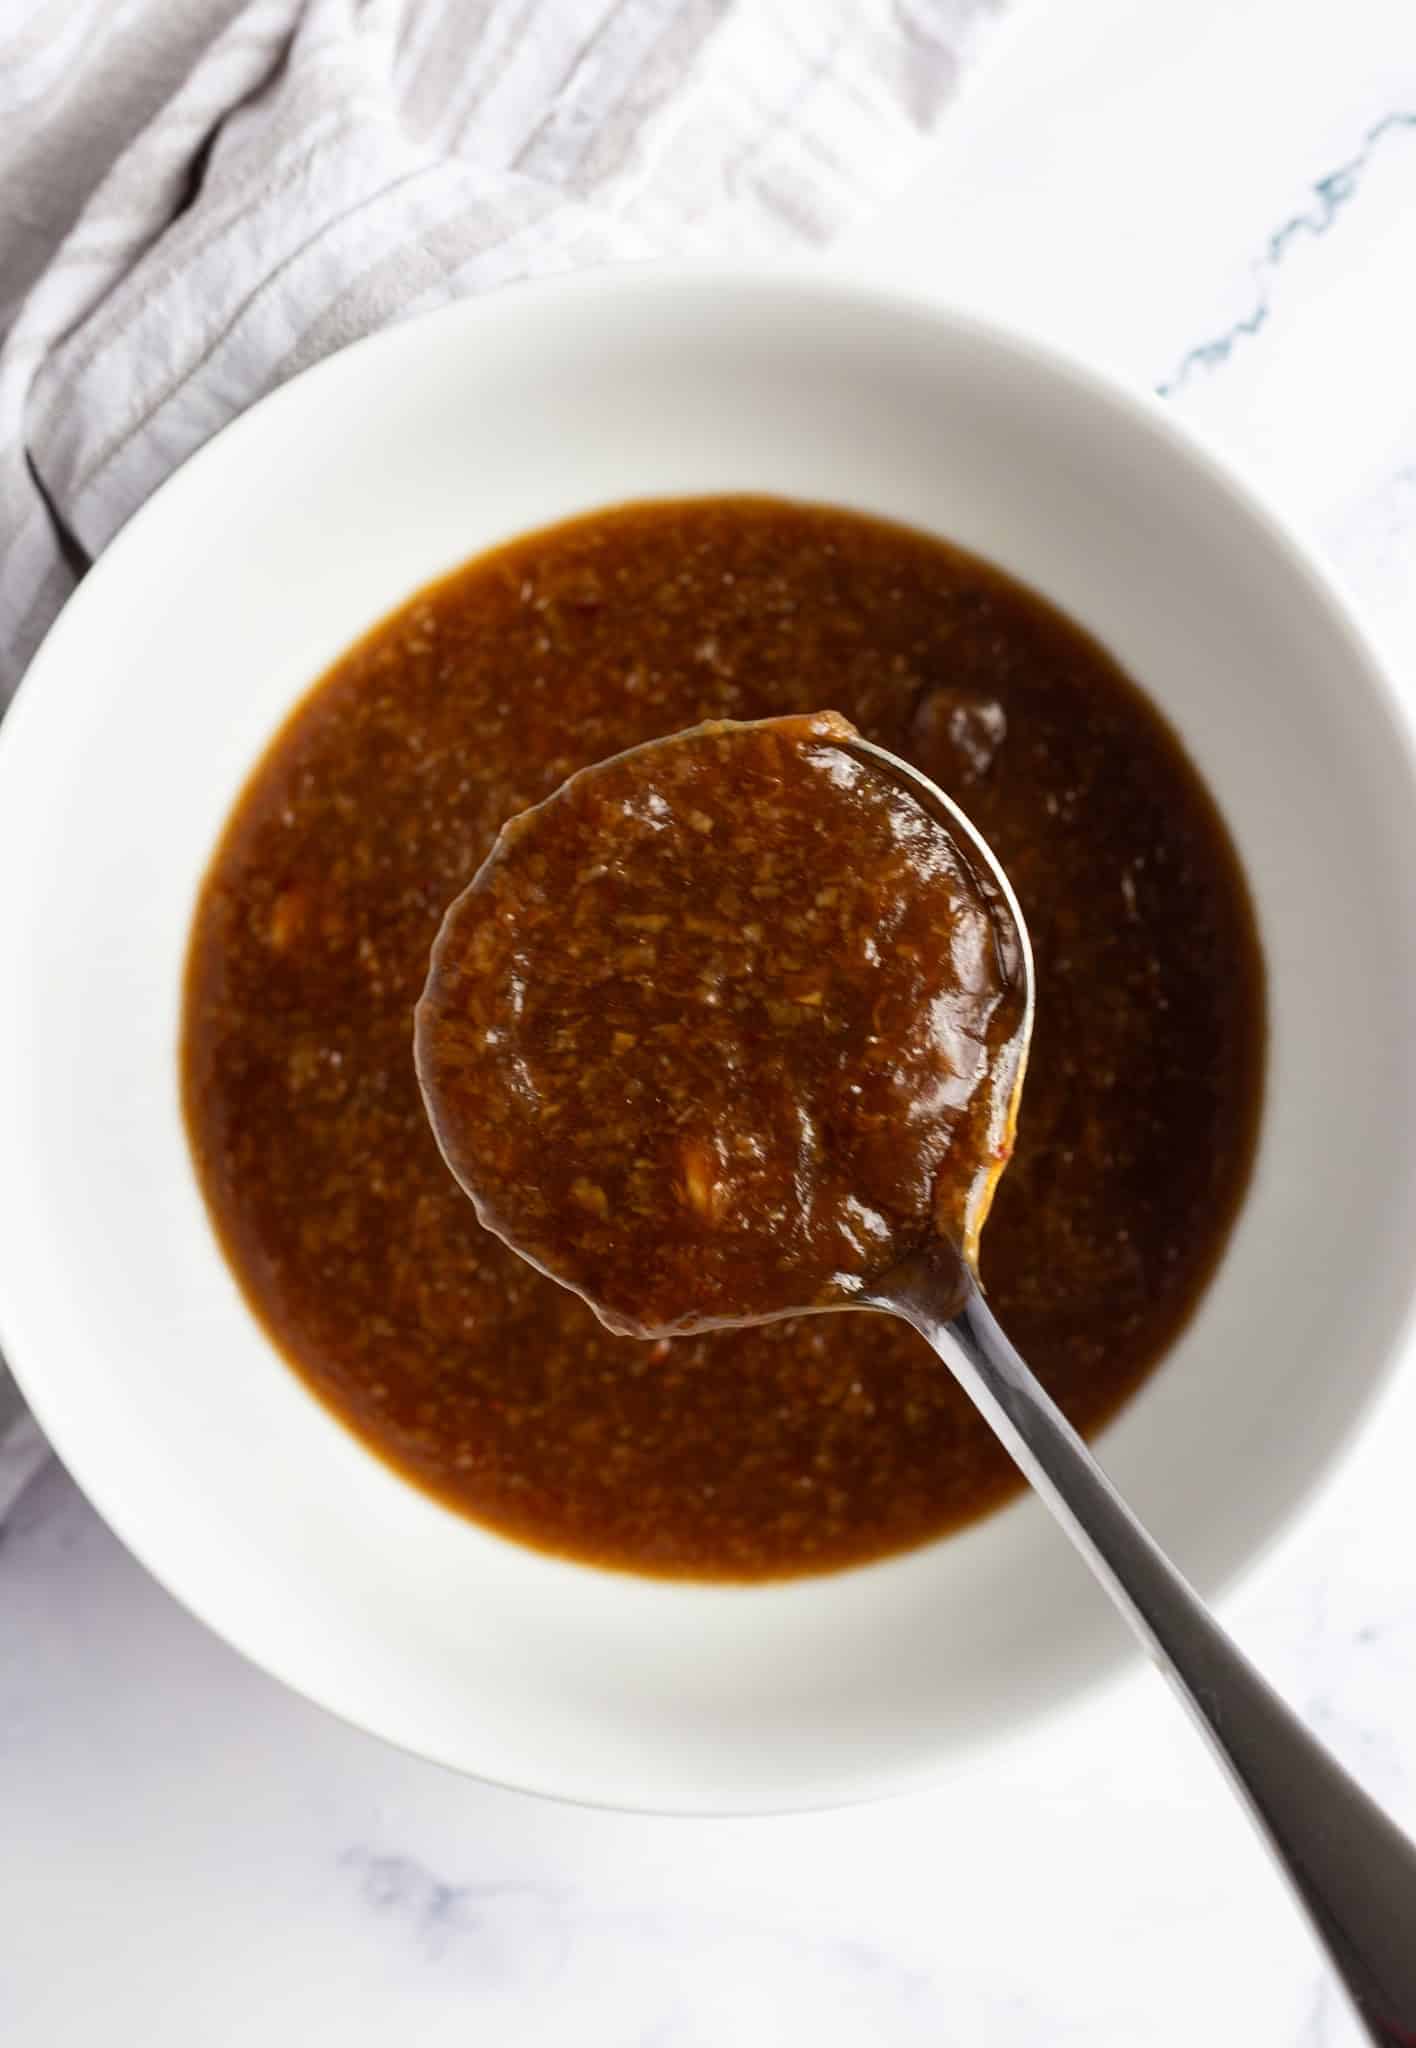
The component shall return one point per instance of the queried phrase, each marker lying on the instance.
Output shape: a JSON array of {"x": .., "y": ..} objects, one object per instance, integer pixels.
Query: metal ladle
[{"x": 1352, "y": 1868}]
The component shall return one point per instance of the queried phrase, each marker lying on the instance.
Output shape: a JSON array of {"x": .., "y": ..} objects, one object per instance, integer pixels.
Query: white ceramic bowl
[{"x": 297, "y": 528}]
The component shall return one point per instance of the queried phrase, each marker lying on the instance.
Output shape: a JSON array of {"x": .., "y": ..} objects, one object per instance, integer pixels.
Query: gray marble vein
[
  {"x": 682, "y": 1974},
  {"x": 1331, "y": 195}
]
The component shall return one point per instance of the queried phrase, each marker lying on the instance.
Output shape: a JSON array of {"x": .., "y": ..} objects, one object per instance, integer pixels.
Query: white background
[{"x": 1216, "y": 198}]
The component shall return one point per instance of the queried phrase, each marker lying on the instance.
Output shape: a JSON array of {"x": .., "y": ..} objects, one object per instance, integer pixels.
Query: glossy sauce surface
[
  {"x": 803, "y": 1444},
  {"x": 728, "y": 1026}
]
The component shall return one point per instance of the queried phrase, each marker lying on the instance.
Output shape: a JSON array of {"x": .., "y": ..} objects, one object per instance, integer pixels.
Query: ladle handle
[{"x": 1353, "y": 1870}]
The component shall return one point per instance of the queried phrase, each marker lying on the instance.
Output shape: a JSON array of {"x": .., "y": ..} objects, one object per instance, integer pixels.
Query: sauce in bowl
[{"x": 813, "y": 1442}]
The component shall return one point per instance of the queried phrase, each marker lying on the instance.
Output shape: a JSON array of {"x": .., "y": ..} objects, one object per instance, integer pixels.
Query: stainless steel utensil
[{"x": 1352, "y": 1868}]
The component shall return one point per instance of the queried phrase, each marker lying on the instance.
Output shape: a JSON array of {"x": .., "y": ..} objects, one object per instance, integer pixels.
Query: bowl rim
[{"x": 801, "y": 280}]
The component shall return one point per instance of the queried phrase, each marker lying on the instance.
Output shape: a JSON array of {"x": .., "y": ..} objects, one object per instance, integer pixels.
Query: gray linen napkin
[{"x": 198, "y": 200}]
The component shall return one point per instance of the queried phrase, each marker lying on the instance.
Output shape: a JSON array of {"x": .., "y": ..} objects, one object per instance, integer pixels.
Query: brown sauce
[
  {"x": 725, "y": 1028},
  {"x": 803, "y": 1444}
]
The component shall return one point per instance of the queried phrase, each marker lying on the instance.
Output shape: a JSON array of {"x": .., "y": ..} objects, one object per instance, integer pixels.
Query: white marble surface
[{"x": 1219, "y": 200}]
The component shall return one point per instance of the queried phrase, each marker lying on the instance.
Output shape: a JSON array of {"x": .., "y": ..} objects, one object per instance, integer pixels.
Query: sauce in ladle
[{"x": 725, "y": 1028}]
